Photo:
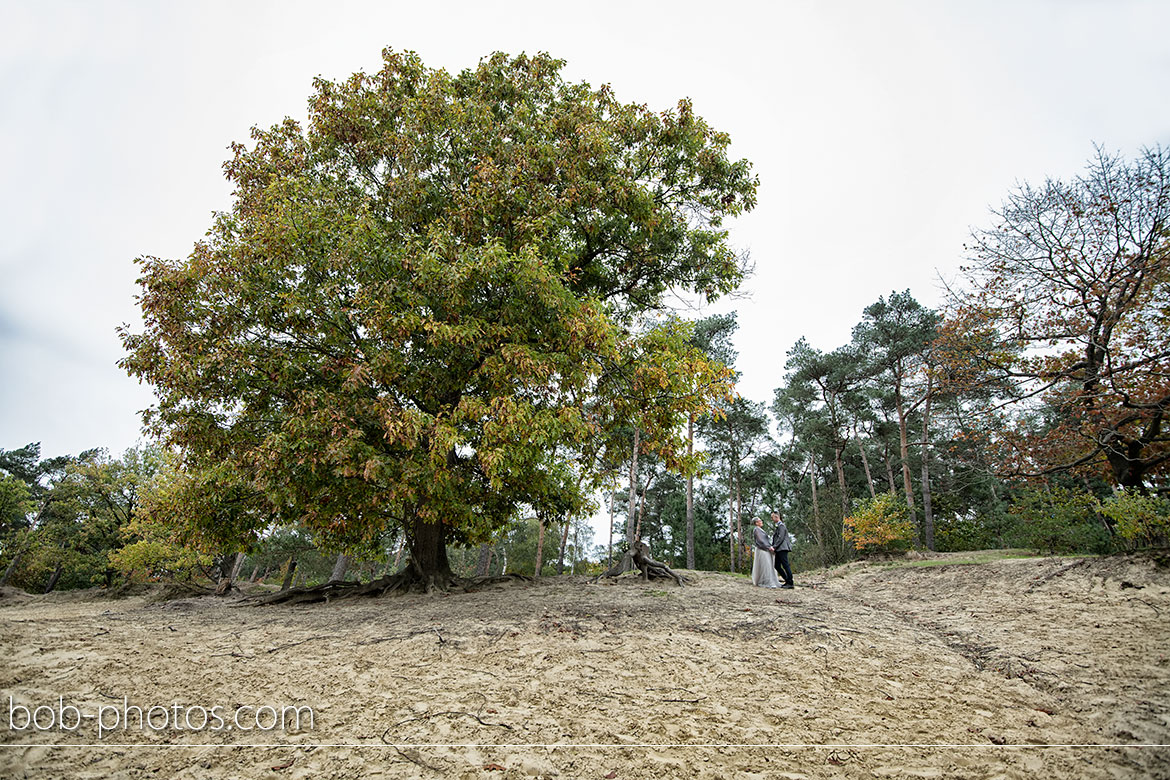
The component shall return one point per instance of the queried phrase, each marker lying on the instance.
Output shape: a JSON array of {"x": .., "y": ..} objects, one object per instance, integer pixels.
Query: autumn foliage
[
  {"x": 879, "y": 524},
  {"x": 1065, "y": 305},
  {"x": 429, "y": 308}
]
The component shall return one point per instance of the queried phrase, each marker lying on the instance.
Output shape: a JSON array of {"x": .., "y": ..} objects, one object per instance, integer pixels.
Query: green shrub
[
  {"x": 1139, "y": 519},
  {"x": 976, "y": 531},
  {"x": 1059, "y": 520}
]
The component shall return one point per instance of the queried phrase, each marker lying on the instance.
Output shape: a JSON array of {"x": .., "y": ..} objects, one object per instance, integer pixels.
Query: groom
[{"x": 782, "y": 544}]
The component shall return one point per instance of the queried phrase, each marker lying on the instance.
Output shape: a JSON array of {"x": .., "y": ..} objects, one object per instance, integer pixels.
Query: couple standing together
[{"x": 772, "y": 555}]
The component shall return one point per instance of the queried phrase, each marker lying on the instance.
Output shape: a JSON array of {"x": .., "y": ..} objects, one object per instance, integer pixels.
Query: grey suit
[
  {"x": 782, "y": 544},
  {"x": 780, "y": 538}
]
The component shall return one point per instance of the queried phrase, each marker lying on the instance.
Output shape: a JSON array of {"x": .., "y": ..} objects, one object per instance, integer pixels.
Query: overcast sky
[{"x": 881, "y": 133}]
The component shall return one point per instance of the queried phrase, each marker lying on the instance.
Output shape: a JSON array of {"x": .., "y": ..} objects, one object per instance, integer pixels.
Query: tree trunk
[
  {"x": 838, "y": 451},
  {"x": 539, "y": 546},
  {"x": 637, "y": 556},
  {"x": 738, "y": 514},
  {"x": 690, "y": 495},
  {"x": 398, "y": 555},
  {"x": 642, "y": 506},
  {"x": 340, "y": 567},
  {"x": 812, "y": 480},
  {"x": 576, "y": 548},
  {"x": 633, "y": 490},
  {"x": 564, "y": 542},
  {"x": 428, "y": 554},
  {"x": 865, "y": 463},
  {"x": 927, "y": 512},
  {"x": 12, "y": 566},
  {"x": 229, "y": 567},
  {"x": 612, "y": 501},
  {"x": 289, "y": 573},
  {"x": 483, "y": 565},
  {"x": 731, "y": 518},
  {"x": 53, "y": 580},
  {"x": 904, "y": 449},
  {"x": 890, "y": 471}
]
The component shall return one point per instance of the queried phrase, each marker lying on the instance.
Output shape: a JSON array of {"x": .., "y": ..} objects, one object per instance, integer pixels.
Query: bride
[{"x": 763, "y": 567}]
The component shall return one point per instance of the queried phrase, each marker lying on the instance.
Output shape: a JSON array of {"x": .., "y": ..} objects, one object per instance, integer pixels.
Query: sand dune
[{"x": 1013, "y": 668}]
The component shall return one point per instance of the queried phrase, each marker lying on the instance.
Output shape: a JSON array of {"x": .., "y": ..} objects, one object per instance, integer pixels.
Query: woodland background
[{"x": 344, "y": 393}]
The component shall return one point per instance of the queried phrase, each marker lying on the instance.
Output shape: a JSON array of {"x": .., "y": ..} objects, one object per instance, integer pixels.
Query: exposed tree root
[
  {"x": 401, "y": 582},
  {"x": 640, "y": 559}
]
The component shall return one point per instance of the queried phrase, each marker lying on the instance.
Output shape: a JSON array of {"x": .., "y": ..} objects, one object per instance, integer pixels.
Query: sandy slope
[{"x": 630, "y": 679}]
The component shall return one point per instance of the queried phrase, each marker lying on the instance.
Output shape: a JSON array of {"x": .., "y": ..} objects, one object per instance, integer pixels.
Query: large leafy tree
[
  {"x": 404, "y": 316},
  {"x": 1071, "y": 287}
]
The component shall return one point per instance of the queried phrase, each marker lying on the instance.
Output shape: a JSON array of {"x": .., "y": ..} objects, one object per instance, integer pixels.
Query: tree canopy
[
  {"x": 1069, "y": 290},
  {"x": 415, "y": 301}
]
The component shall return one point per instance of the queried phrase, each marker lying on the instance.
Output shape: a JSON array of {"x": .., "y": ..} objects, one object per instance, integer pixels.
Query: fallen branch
[
  {"x": 310, "y": 639},
  {"x": 415, "y": 759}
]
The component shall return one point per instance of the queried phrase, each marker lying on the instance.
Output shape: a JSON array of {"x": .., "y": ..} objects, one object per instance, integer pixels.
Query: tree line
[
  {"x": 436, "y": 324},
  {"x": 1027, "y": 411}
]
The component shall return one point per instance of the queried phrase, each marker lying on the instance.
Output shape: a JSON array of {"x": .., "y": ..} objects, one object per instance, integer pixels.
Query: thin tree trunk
[
  {"x": 53, "y": 580},
  {"x": 564, "y": 542},
  {"x": 612, "y": 500},
  {"x": 838, "y": 450},
  {"x": 289, "y": 572},
  {"x": 739, "y": 514},
  {"x": 340, "y": 567},
  {"x": 229, "y": 567},
  {"x": 576, "y": 548},
  {"x": 927, "y": 512},
  {"x": 865, "y": 463},
  {"x": 890, "y": 471},
  {"x": 731, "y": 517},
  {"x": 12, "y": 566},
  {"x": 239, "y": 564},
  {"x": 539, "y": 546},
  {"x": 642, "y": 506},
  {"x": 690, "y": 495},
  {"x": 398, "y": 555},
  {"x": 812, "y": 480},
  {"x": 633, "y": 491},
  {"x": 904, "y": 448}
]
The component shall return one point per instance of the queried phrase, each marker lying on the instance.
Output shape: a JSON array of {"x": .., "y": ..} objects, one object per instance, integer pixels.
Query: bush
[
  {"x": 152, "y": 553},
  {"x": 1059, "y": 520},
  {"x": 973, "y": 531},
  {"x": 1139, "y": 519},
  {"x": 879, "y": 524}
]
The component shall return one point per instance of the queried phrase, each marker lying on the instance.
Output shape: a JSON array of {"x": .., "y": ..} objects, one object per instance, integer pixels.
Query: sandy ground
[{"x": 1009, "y": 669}]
